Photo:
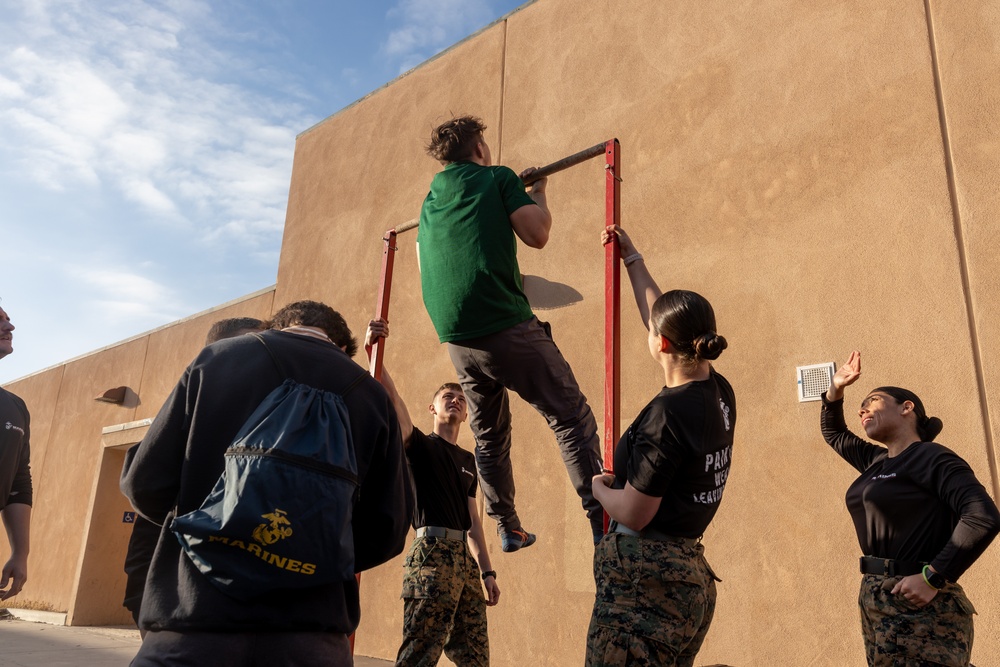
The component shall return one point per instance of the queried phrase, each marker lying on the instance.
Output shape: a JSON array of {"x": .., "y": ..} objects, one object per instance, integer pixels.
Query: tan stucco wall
[
  {"x": 785, "y": 159},
  {"x": 968, "y": 48}
]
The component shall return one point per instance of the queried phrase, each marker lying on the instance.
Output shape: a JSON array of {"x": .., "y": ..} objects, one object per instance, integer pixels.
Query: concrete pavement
[{"x": 25, "y": 643}]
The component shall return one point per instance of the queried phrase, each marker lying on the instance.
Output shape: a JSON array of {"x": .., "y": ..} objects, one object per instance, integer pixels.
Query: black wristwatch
[
  {"x": 935, "y": 580},
  {"x": 489, "y": 573}
]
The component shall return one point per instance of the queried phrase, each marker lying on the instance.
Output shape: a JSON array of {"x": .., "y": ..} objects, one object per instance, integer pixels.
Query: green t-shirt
[{"x": 468, "y": 252}]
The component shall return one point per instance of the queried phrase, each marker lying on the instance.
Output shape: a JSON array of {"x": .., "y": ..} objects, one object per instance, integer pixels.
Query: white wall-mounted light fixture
[{"x": 814, "y": 380}]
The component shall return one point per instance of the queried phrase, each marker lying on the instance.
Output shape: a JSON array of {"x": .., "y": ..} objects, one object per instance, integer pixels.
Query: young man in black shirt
[
  {"x": 15, "y": 476},
  {"x": 445, "y": 611}
]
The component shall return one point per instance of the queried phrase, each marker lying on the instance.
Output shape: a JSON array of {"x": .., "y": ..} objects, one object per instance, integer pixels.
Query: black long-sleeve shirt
[
  {"x": 181, "y": 457},
  {"x": 924, "y": 505}
]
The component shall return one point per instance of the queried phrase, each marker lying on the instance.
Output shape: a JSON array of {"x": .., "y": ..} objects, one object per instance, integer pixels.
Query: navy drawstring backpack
[{"x": 279, "y": 516}]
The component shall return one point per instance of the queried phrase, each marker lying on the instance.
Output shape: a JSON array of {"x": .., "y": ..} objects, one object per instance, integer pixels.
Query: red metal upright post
[
  {"x": 612, "y": 306},
  {"x": 377, "y": 352}
]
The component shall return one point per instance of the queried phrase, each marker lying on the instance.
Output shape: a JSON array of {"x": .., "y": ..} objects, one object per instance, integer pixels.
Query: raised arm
[
  {"x": 532, "y": 223},
  {"x": 380, "y": 329},
  {"x": 644, "y": 288},
  {"x": 858, "y": 452}
]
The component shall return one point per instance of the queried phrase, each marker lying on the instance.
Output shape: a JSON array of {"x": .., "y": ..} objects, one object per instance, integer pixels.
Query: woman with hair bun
[
  {"x": 655, "y": 590},
  {"x": 922, "y": 519}
]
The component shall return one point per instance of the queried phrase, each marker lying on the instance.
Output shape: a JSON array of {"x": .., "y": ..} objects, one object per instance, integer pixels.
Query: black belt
[
  {"x": 438, "y": 531},
  {"x": 888, "y": 567},
  {"x": 652, "y": 534}
]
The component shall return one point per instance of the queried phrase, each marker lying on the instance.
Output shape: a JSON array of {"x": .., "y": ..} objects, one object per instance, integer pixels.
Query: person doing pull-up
[{"x": 472, "y": 290}]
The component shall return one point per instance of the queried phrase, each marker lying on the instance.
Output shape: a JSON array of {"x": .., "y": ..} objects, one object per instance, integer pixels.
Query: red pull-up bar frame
[{"x": 612, "y": 307}]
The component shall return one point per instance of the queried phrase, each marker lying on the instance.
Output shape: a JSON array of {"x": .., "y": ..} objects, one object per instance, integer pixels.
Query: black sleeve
[
  {"x": 21, "y": 490},
  {"x": 385, "y": 503},
  {"x": 859, "y": 453},
  {"x": 151, "y": 476},
  {"x": 979, "y": 520},
  {"x": 656, "y": 453}
]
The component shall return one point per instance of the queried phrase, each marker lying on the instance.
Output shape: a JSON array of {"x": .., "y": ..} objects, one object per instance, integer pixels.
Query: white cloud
[
  {"x": 429, "y": 26},
  {"x": 125, "y": 296},
  {"x": 127, "y": 95}
]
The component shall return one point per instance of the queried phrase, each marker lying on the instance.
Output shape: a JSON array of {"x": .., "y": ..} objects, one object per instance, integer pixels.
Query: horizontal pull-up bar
[
  {"x": 566, "y": 163},
  {"x": 543, "y": 172}
]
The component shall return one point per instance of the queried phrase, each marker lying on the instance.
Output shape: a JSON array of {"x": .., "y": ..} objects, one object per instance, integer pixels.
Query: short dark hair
[
  {"x": 319, "y": 315},
  {"x": 927, "y": 427},
  {"x": 232, "y": 326},
  {"x": 687, "y": 320},
  {"x": 456, "y": 139},
  {"x": 454, "y": 386}
]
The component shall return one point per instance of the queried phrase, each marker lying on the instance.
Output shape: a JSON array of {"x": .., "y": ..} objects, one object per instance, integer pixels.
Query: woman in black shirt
[
  {"x": 922, "y": 518},
  {"x": 655, "y": 590}
]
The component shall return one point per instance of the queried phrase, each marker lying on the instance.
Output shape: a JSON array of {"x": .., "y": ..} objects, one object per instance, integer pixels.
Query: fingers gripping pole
[{"x": 612, "y": 307}]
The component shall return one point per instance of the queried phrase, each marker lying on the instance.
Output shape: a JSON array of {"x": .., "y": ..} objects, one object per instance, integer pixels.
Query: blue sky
[{"x": 146, "y": 147}]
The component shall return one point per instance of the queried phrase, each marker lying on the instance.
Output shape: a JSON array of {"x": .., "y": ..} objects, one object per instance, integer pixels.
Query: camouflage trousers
[
  {"x": 655, "y": 602},
  {"x": 898, "y": 634},
  {"x": 444, "y": 607}
]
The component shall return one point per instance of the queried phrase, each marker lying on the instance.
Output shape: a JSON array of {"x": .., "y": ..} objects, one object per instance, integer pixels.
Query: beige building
[{"x": 825, "y": 173}]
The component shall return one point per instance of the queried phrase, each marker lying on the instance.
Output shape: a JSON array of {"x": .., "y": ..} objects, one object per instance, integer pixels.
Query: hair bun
[
  {"x": 930, "y": 428},
  {"x": 709, "y": 345}
]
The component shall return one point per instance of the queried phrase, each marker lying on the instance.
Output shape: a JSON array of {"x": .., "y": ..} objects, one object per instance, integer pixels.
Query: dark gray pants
[
  {"x": 525, "y": 359},
  {"x": 244, "y": 649}
]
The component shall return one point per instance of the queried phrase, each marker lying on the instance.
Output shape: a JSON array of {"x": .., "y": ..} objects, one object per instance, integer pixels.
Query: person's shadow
[{"x": 546, "y": 295}]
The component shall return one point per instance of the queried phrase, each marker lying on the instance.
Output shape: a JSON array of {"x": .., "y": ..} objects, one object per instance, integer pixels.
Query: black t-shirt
[
  {"x": 679, "y": 449},
  {"x": 444, "y": 476},
  {"x": 15, "y": 452},
  {"x": 924, "y": 505}
]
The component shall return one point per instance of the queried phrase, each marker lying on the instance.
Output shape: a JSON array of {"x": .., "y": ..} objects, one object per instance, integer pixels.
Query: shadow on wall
[
  {"x": 546, "y": 295},
  {"x": 123, "y": 396}
]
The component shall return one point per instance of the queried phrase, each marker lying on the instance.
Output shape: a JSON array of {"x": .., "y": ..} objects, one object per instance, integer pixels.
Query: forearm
[
  {"x": 477, "y": 545},
  {"x": 644, "y": 289},
  {"x": 978, "y": 526},
  {"x": 477, "y": 539},
  {"x": 402, "y": 414},
  {"x": 629, "y": 506},
  {"x": 543, "y": 203},
  {"x": 856, "y": 451},
  {"x": 17, "y": 522}
]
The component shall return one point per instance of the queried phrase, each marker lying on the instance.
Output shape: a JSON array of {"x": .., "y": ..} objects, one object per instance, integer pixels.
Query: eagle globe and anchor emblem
[{"x": 277, "y": 528}]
